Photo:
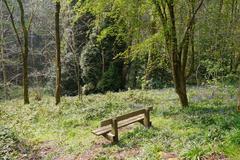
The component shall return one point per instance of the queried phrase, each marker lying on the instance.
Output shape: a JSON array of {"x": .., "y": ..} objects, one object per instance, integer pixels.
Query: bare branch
[
  {"x": 189, "y": 26},
  {"x": 31, "y": 18},
  {"x": 160, "y": 12},
  {"x": 13, "y": 23}
]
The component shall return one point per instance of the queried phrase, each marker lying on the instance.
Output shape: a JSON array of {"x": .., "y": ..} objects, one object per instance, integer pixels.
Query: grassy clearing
[{"x": 209, "y": 128}]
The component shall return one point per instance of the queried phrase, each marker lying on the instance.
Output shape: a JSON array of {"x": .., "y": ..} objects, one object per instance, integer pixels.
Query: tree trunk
[
  {"x": 25, "y": 72},
  {"x": 182, "y": 91},
  {"x": 177, "y": 66},
  {"x": 4, "y": 73},
  {"x": 238, "y": 104},
  {"x": 192, "y": 56},
  {"x": 24, "y": 54},
  {"x": 24, "y": 47},
  {"x": 180, "y": 83},
  {"x": 178, "y": 52},
  {"x": 58, "y": 54},
  {"x": 192, "y": 43}
]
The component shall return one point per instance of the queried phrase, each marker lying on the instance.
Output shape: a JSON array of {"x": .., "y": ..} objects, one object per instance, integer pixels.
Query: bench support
[
  {"x": 109, "y": 136},
  {"x": 146, "y": 121},
  {"x": 115, "y": 130},
  {"x": 109, "y": 128}
]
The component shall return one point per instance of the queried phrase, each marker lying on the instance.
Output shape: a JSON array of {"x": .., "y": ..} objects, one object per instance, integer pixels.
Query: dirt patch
[
  {"x": 215, "y": 156},
  {"x": 93, "y": 150},
  {"x": 100, "y": 147},
  {"x": 169, "y": 156},
  {"x": 66, "y": 157},
  {"x": 47, "y": 148},
  {"x": 121, "y": 155},
  {"x": 51, "y": 147}
]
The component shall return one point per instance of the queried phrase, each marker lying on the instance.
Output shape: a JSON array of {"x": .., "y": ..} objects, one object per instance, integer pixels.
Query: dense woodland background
[
  {"x": 119, "y": 45},
  {"x": 100, "y": 58}
]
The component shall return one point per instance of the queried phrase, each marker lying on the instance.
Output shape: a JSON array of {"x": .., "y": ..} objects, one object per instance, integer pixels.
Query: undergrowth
[{"x": 210, "y": 126}]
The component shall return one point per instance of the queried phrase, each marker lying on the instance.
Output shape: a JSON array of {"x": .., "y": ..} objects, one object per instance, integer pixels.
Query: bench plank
[
  {"x": 102, "y": 130},
  {"x": 131, "y": 121},
  {"x": 107, "y": 129},
  {"x": 126, "y": 116}
]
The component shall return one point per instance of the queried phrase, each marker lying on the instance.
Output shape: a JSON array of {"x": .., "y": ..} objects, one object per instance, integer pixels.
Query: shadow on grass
[
  {"x": 214, "y": 118},
  {"x": 133, "y": 137},
  {"x": 202, "y": 124}
]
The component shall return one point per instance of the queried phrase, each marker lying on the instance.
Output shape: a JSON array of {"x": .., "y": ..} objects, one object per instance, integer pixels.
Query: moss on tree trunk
[{"x": 58, "y": 54}]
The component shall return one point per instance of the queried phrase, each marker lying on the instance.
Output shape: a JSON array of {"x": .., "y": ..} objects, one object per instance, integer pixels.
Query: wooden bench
[{"x": 109, "y": 128}]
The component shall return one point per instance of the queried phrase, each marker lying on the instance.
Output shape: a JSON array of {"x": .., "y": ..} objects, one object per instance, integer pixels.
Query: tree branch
[
  {"x": 31, "y": 18},
  {"x": 189, "y": 26},
  {"x": 13, "y": 23},
  {"x": 160, "y": 12}
]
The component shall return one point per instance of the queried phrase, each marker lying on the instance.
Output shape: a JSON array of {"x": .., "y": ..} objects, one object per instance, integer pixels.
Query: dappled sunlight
[{"x": 207, "y": 126}]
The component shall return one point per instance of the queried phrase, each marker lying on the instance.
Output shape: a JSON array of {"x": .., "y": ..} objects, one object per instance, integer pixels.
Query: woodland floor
[{"x": 209, "y": 129}]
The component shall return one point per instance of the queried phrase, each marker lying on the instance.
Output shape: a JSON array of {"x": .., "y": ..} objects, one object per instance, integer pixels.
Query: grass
[{"x": 210, "y": 127}]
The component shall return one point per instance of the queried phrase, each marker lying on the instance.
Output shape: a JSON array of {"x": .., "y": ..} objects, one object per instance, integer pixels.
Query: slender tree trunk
[
  {"x": 238, "y": 104},
  {"x": 192, "y": 43},
  {"x": 78, "y": 74},
  {"x": 192, "y": 56},
  {"x": 4, "y": 73},
  {"x": 58, "y": 54},
  {"x": 177, "y": 67},
  {"x": 24, "y": 54},
  {"x": 178, "y": 52},
  {"x": 25, "y": 77},
  {"x": 180, "y": 83},
  {"x": 25, "y": 69}
]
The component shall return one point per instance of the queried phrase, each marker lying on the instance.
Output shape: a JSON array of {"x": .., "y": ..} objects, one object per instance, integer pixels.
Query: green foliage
[
  {"x": 69, "y": 75},
  {"x": 112, "y": 79},
  {"x": 14, "y": 91},
  {"x": 77, "y": 42},
  {"x": 210, "y": 127},
  {"x": 216, "y": 53},
  {"x": 88, "y": 88},
  {"x": 99, "y": 71},
  {"x": 91, "y": 61},
  {"x": 234, "y": 137},
  {"x": 195, "y": 153},
  {"x": 11, "y": 145},
  {"x": 8, "y": 143}
]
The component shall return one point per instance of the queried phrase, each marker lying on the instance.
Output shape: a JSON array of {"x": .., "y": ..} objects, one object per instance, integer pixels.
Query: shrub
[
  {"x": 8, "y": 143},
  {"x": 111, "y": 79}
]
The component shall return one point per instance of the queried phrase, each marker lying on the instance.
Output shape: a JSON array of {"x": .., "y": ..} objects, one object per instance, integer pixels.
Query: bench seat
[
  {"x": 123, "y": 123},
  {"x": 109, "y": 128}
]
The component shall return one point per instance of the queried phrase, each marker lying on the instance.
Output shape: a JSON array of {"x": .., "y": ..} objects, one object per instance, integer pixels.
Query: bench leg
[
  {"x": 146, "y": 121},
  {"x": 114, "y": 131}
]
